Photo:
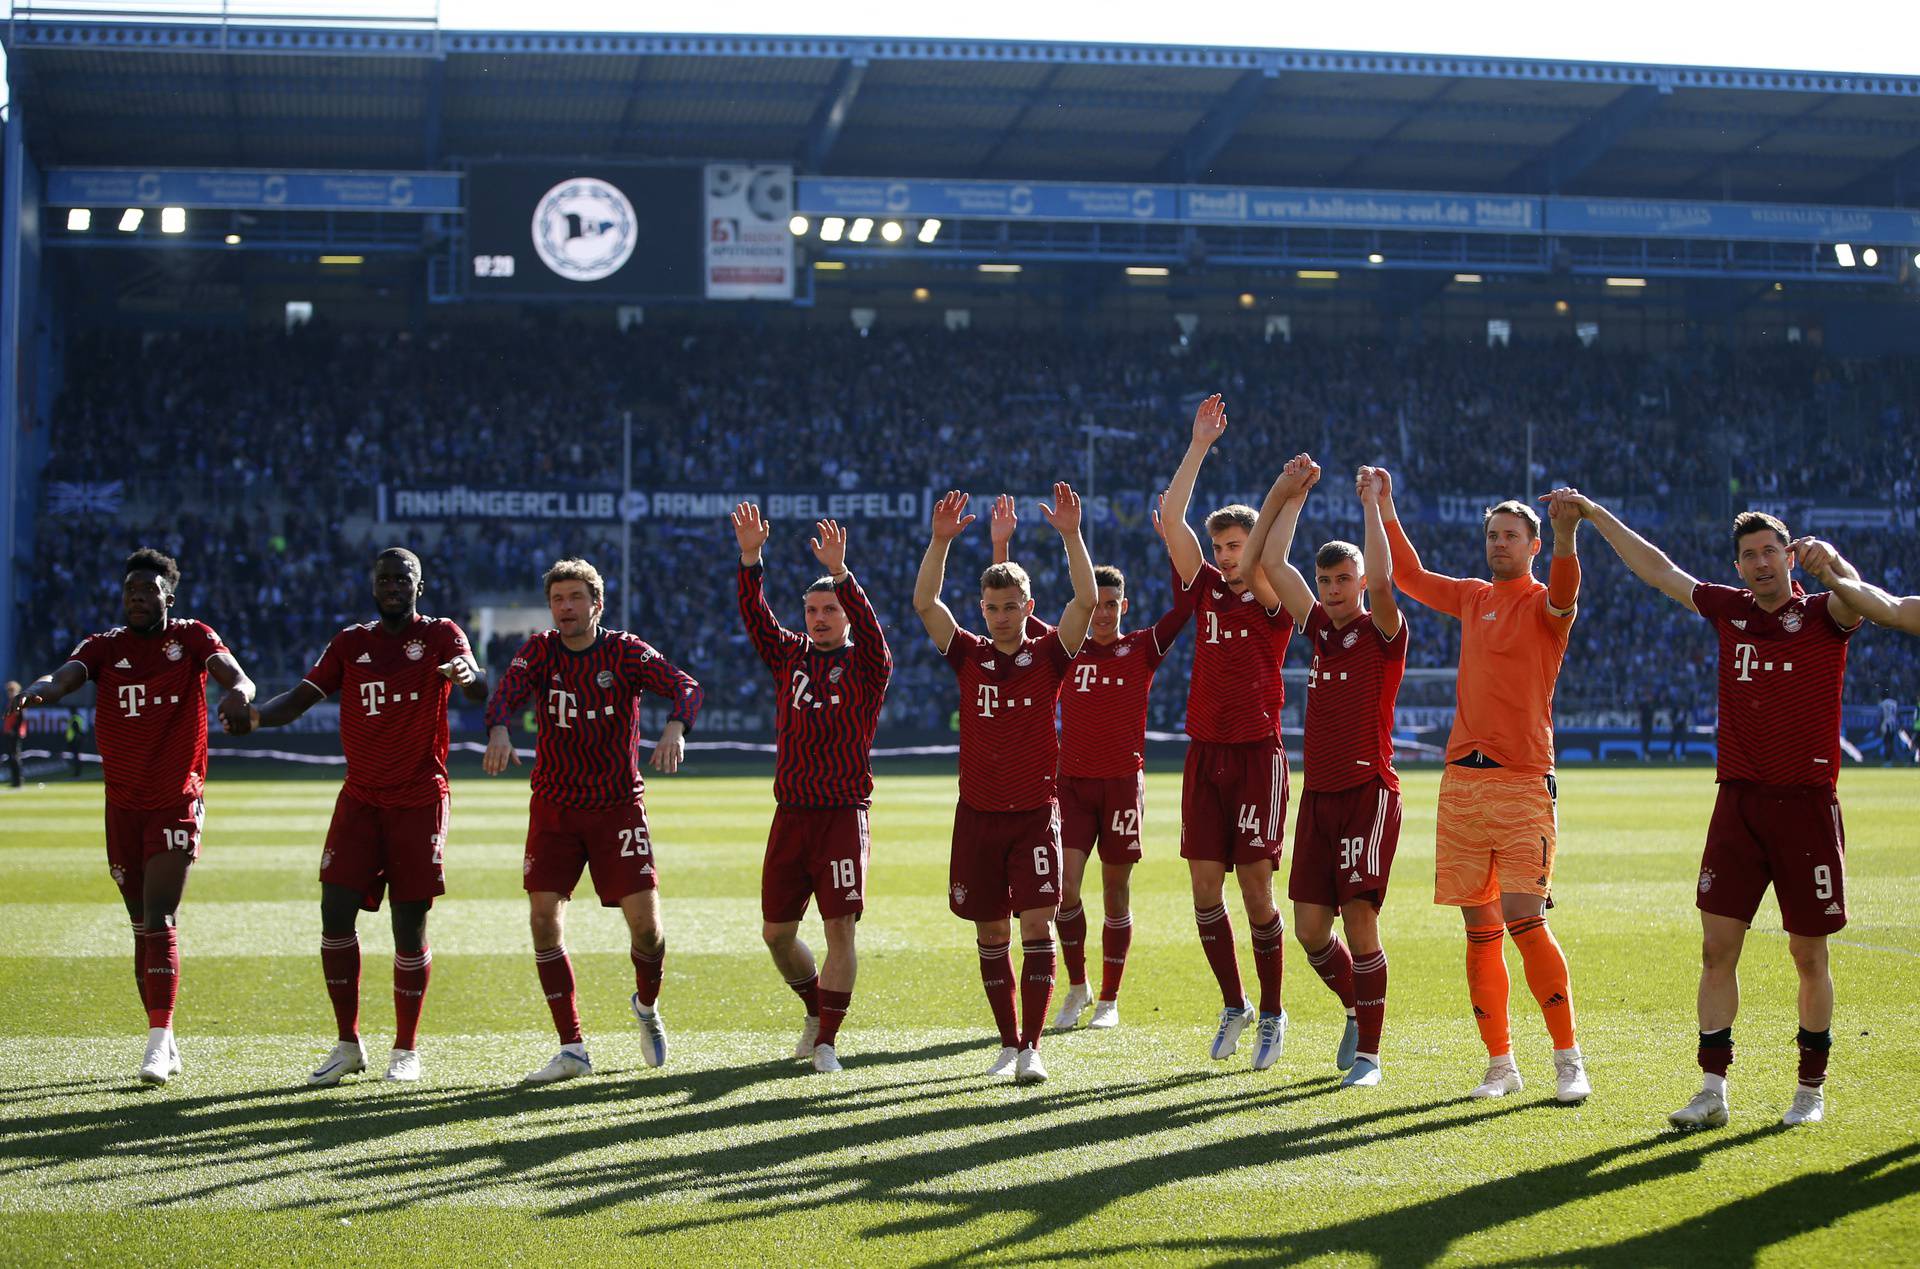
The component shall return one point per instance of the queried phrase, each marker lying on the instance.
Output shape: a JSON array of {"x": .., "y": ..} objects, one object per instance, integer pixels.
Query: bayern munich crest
[
  {"x": 1706, "y": 880},
  {"x": 173, "y": 650},
  {"x": 1024, "y": 659},
  {"x": 1790, "y": 621},
  {"x": 584, "y": 229},
  {"x": 119, "y": 875},
  {"x": 326, "y": 859},
  {"x": 959, "y": 894},
  {"x": 833, "y": 675},
  {"x": 604, "y": 678},
  {"x": 1124, "y": 650},
  {"x": 415, "y": 649},
  {"x": 1353, "y": 637}
]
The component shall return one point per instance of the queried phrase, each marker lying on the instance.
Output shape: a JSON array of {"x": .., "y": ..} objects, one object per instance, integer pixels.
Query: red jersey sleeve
[
  {"x": 517, "y": 684},
  {"x": 90, "y": 654},
  {"x": 1056, "y": 651},
  {"x": 869, "y": 639},
  {"x": 964, "y": 644},
  {"x": 1714, "y": 601},
  {"x": 1168, "y": 628},
  {"x": 652, "y": 672},
  {"x": 454, "y": 642},
  {"x": 770, "y": 639},
  {"x": 202, "y": 643},
  {"x": 1823, "y": 602},
  {"x": 328, "y": 672}
]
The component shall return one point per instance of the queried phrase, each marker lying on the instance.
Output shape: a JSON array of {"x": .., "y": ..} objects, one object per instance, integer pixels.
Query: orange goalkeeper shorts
[{"x": 1496, "y": 834}]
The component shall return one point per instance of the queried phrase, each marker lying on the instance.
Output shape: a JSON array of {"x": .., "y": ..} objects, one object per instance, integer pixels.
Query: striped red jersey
[
  {"x": 150, "y": 711},
  {"x": 1351, "y": 689},
  {"x": 827, "y": 702},
  {"x": 393, "y": 707},
  {"x": 1237, "y": 650},
  {"x": 587, "y": 752},
  {"x": 1781, "y": 675},
  {"x": 1103, "y": 703},
  {"x": 1009, "y": 746}
]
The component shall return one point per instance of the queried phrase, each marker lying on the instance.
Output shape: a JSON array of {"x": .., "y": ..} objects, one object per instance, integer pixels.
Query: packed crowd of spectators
[{"x": 255, "y": 459}]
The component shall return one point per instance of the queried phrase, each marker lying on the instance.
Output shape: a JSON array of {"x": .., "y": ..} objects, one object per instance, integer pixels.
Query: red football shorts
[
  {"x": 134, "y": 837},
  {"x": 1004, "y": 862},
  {"x": 1109, "y": 813},
  {"x": 613, "y": 842},
  {"x": 1343, "y": 844},
  {"x": 374, "y": 849},
  {"x": 1791, "y": 836},
  {"x": 1233, "y": 802},
  {"x": 815, "y": 852}
]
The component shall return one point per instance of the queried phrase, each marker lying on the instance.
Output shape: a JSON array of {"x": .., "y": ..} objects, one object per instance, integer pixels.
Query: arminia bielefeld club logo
[{"x": 584, "y": 229}]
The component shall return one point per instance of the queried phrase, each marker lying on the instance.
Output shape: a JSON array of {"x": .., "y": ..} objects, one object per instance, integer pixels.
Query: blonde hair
[{"x": 575, "y": 571}]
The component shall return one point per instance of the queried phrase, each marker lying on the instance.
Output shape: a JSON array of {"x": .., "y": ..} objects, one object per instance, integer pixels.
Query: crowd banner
[
  {"x": 457, "y": 504},
  {"x": 1760, "y": 222},
  {"x": 267, "y": 190}
]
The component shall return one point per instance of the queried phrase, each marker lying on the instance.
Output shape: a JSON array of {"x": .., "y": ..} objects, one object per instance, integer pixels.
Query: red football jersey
[
  {"x": 1009, "y": 747},
  {"x": 393, "y": 707},
  {"x": 150, "y": 711},
  {"x": 1351, "y": 688},
  {"x": 1103, "y": 703},
  {"x": 827, "y": 704},
  {"x": 587, "y": 753},
  {"x": 1237, "y": 650},
  {"x": 1781, "y": 675}
]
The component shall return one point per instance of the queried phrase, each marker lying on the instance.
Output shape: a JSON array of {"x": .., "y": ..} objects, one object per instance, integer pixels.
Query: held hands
[
  {"x": 949, "y": 516},
  {"x": 830, "y": 547},
  {"x": 1209, "y": 421},
  {"x": 237, "y": 714},
  {"x": 1064, "y": 515},
  {"x": 1005, "y": 519},
  {"x": 1370, "y": 485},
  {"x": 1815, "y": 556},
  {"x": 499, "y": 753},
  {"x": 1299, "y": 475},
  {"x": 667, "y": 754},
  {"x": 751, "y": 531},
  {"x": 1567, "y": 507},
  {"x": 462, "y": 670}
]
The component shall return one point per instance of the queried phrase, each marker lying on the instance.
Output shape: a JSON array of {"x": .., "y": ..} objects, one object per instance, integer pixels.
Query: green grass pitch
[{"x": 1138, "y": 1149}]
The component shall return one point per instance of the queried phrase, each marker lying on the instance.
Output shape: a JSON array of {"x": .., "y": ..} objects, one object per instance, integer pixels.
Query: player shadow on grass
[{"x": 1426, "y": 1233}]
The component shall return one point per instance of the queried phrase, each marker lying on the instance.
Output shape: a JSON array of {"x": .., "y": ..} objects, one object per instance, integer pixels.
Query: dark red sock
[
  {"x": 1216, "y": 940},
  {"x": 163, "y": 974},
  {"x": 808, "y": 989},
  {"x": 1036, "y": 988},
  {"x": 1334, "y": 964},
  {"x": 340, "y": 963},
  {"x": 996, "y": 975},
  {"x": 833, "y": 1012},
  {"x": 1814, "y": 1046},
  {"x": 140, "y": 962},
  {"x": 646, "y": 974},
  {"x": 556, "y": 980},
  {"x": 1072, "y": 925},
  {"x": 410, "y": 975},
  {"x": 1115, "y": 938},
  {"x": 1370, "y": 999},
  {"x": 1266, "y": 962},
  {"x": 1716, "y": 1051}
]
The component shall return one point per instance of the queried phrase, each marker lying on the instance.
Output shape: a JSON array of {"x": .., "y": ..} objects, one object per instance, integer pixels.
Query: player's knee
[
  {"x": 778, "y": 935},
  {"x": 839, "y": 931},
  {"x": 1809, "y": 956}
]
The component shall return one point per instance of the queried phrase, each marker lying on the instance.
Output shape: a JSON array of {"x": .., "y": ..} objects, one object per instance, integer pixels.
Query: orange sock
[
  {"x": 1546, "y": 976},
  {"x": 1487, "y": 987}
]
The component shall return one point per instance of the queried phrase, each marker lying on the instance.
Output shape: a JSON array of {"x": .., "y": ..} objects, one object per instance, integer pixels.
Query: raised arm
[
  {"x": 1378, "y": 559},
  {"x": 949, "y": 518},
  {"x": 1436, "y": 590},
  {"x": 769, "y": 638},
  {"x": 1183, "y": 546},
  {"x": 1853, "y": 598},
  {"x": 1005, "y": 519},
  {"x": 1563, "y": 570},
  {"x": 1064, "y": 516},
  {"x": 1647, "y": 561},
  {"x": 869, "y": 640},
  {"x": 1271, "y": 541}
]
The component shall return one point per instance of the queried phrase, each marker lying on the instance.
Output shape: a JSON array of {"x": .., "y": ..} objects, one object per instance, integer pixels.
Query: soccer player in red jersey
[
  {"x": 588, "y": 808},
  {"x": 150, "y": 714},
  {"x": 1102, "y": 784},
  {"x": 1776, "y": 818},
  {"x": 828, "y": 687},
  {"x": 1006, "y": 826},
  {"x": 1348, "y": 825},
  {"x": 1233, "y": 800},
  {"x": 389, "y": 831}
]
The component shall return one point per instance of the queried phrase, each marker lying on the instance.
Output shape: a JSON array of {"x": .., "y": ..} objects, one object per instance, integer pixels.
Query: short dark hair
[
  {"x": 1233, "y": 513},
  {"x": 1758, "y": 522},
  {"x": 1513, "y": 507},
  {"x": 1330, "y": 555},
  {"x": 820, "y": 584},
  {"x": 1108, "y": 575},
  {"x": 147, "y": 559},
  {"x": 403, "y": 554}
]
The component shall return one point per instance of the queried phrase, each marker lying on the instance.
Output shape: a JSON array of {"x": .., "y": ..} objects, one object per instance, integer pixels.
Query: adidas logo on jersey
[
  {"x": 1834, "y": 908},
  {"x": 1256, "y": 843},
  {"x": 1488, "y": 616},
  {"x": 987, "y": 664},
  {"x": 1738, "y": 623},
  {"x": 1046, "y": 888},
  {"x": 365, "y": 658},
  {"x": 123, "y": 664},
  {"x": 1354, "y": 877},
  {"x": 853, "y": 896},
  {"x": 646, "y": 870}
]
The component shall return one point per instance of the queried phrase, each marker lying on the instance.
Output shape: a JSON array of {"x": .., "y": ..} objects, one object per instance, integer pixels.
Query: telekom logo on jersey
[
  {"x": 1084, "y": 677},
  {"x": 1746, "y": 659},
  {"x": 132, "y": 697},
  {"x": 373, "y": 694},
  {"x": 565, "y": 707}
]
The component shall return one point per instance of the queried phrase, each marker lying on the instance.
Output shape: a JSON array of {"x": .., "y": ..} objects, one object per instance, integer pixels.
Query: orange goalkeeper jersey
[{"x": 1511, "y": 647}]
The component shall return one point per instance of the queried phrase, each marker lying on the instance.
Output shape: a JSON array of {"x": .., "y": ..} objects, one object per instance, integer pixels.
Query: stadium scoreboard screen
[
  {"x": 627, "y": 231},
  {"x": 568, "y": 230}
]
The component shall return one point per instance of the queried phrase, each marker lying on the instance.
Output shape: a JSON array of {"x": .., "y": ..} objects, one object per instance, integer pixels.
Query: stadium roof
[{"x": 146, "y": 93}]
